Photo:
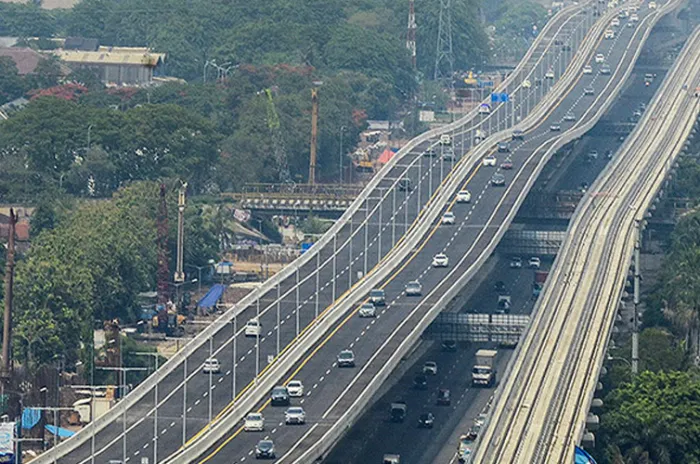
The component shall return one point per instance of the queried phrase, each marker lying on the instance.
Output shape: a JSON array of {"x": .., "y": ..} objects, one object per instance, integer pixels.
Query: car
[
  {"x": 426, "y": 420},
  {"x": 534, "y": 262},
  {"x": 616, "y": 22},
  {"x": 279, "y": 396},
  {"x": 634, "y": 17},
  {"x": 443, "y": 397},
  {"x": 637, "y": 114},
  {"x": 499, "y": 286},
  {"x": 589, "y": 91},
  {"x": 600, "y": 58},
  {"x": 605, "y": 69},
  {"x": 518, "y": 134},
  {"x": 526, "y": 84},
  {"x": 253, "y": 328},
  {"x": 503, "y": 147},
  {"x": 608, "y": 154},
  {"x": 448, "y": 155},
  {"x": 593, "y": 155},
  {"x": 367, "y": 310},
  {"x": 498, "y": 180},
  {"x": 555, "y": 128},
  {"x": 630, "y": 24},
  {"x": 490, "y": 160},
  {"x": 448, "y": 218},
  {"x": 377, "y": 297},
  {"x": 588, "y": 69},
  {"x": 566, "y": 48},
  {"x": 642, "y": 107},
  {"x": 211, "y": 366},
  {"x": 503, "y": 305},
  {"x": 420, "y": 382},
  {"x": 449, "y": 346},
  {"x": 430, "y": 367},
  {"x": 549, "y": 74},
  {"x": 463, "y": 196},
  {"x": 430, "y": 152},
  {"x": 623, "y": 14},
  {"x": 584, "y": 187},
  {"x": 507, "y": 165},
  {"x": 265, "y": 449},
  {"x": 569, "y": 117},
  {"x": 295, "y": 415},
  {"x": 440, "y": 260},
  {"x": 652, "y": 5},
  {"x": 346, "y": 358},
  {"x": 254, "y": 422},
  {"x": 445, "y": 139},
  {"x": 404, "y": 184},
  {"x": 414, "y": 288},
  {"x": 295, "y": 389},
  {"x": 516, "y": 262}
]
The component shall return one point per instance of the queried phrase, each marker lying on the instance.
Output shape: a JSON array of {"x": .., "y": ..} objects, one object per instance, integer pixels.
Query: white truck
[{"x": 484, "y": 370}]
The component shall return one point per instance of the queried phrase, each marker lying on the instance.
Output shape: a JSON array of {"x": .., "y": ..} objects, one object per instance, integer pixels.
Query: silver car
[
  {"x": 414, "y": 288},
  {"x": 295, "y": 415}
]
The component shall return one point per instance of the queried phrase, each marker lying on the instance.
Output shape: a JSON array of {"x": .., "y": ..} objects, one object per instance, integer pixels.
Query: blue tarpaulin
[
  {"x": 209, "y": 300},
  {"x": 30, "y": 417},
  {"x": 581, "y": 457},
  {"x": 62, "y": 433}
]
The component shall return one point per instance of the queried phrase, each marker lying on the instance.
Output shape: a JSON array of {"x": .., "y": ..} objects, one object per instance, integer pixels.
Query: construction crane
[{"x": 273, "y": 123}]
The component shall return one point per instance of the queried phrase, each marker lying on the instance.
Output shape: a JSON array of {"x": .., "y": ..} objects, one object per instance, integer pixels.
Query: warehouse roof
[{"x": 131, "y": 57}]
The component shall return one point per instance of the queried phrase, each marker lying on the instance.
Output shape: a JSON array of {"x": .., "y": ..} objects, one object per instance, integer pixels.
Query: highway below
[
  {"x": 290, "y": 304},
  {"x": 333, "y": 393},
  {"x": 539, "y": 411}
]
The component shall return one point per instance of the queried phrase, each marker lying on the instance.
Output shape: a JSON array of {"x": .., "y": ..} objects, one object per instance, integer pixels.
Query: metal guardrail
[
  {"x": 353, "y": 412},
  {"x": 145, "y": 387}
]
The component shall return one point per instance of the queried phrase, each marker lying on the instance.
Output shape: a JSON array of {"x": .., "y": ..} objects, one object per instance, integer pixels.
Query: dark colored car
[
  {"x": 265, "y": 449},
  {"x": 426, "y": 420},
  {"x": 499, "y": 286},
  {"x": 449, "y": 345},
  {"x": 443, "y": 397},
  {"x": 420, "y": 382},
  {"x": 279, "y": 396}
]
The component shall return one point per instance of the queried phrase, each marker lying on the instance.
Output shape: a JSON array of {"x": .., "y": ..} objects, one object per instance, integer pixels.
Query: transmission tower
[
  {"x": 444, "y": 58},
  {"x": 411, "y": 35}
]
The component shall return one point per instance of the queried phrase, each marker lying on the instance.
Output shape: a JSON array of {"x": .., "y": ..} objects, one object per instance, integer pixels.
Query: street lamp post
[
  {"x": 340, "y": 155},
  {"x": 210, "y": 263}
]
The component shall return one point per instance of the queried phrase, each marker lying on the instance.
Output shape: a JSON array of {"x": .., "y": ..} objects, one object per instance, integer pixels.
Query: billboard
[{"x": 7, "y": 442}]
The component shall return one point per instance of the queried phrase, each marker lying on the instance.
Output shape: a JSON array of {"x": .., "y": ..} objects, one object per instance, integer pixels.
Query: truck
[
  {"x": 391, "y": 459},
  {"x": 484, "y": 370},
  {"x": 398, "y": 411},
  {"x": 538, "y": 283}
]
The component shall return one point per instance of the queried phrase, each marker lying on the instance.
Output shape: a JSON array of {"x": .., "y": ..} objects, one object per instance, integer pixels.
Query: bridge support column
[
  {"x": 184, "y": 404},
  {"x": 637, "y": 278}
]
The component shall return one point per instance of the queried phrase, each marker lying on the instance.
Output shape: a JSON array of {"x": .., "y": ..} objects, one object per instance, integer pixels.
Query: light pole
[
  {"x": 340, "y": 155},
  {"x": 210, "y": 263},
  {"x": 155, "y": 413}
]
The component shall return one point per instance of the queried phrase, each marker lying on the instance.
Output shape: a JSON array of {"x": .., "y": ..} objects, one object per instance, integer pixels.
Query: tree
[
  {"x": 654, "y": 416},
  {"x": 11, "y": 85}
]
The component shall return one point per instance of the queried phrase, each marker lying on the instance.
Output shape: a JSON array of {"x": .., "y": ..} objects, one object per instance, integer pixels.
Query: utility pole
[
  {"x": 444, "y": 44},
  {"x": 179, "y": 274},
  {"x": 637, "y": 279},
  {"x": 411, "y": 35},
  {"x": 314, "y": 135},
  {"x": 6, "y": 370}
]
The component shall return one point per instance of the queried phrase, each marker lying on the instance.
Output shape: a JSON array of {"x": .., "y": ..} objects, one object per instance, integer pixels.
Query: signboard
[
  {"x": 485, "y": 84},
  {"x": 426, "y": 116},
  {"x": 7, "y": 442}
]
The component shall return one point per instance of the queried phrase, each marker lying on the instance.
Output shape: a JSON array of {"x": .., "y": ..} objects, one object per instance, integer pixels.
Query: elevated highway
[
  {"x": 179, "y": 404},
  {"x": 539, "y": 411},
  {"x": 335, "y": 397}
]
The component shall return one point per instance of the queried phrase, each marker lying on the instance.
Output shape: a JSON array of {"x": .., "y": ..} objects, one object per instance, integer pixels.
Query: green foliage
[
  {"x": 653, "y": 419},
  {"x": 26, "y": 20},
  {"x": 92, "y": 265},
  {"x": 11, "y": 85}
]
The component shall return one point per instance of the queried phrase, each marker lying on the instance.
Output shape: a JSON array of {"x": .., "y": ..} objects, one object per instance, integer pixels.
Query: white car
[
  {"x": 445, "y": 139},
  {"x": 588, "y": 69},
  {"x": 253, "y": 328},
  {"x": 463, "y": 196},
  {"x": 295, "y": 415},
  {"x": 526, "y": 84},
  {"x": 489, "y": 161},
  {"x": 534, "y": 262},
  {"x": 211, "y": 366},
  {"x": 448, "y": 218},
  {"x": 609, "y": 34},
  {"x": 440, "y": 260},
  {"x": 254, "y": 422},
  {"x": 652, "y": 5},
  {"x": 414, "y": 288},
  {"x": 430, "y": 367},
  {"x": 634, "y": 17},
  {"x": 295, "y": 388},
  {"x": 600, "y": 58},
  {"x": 549, "y": 74},
  {"x": 367, "y": 310},
  {"x": 615, "y": 23}
]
